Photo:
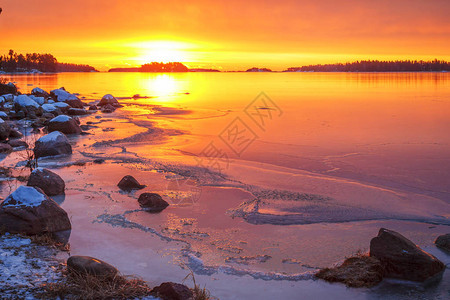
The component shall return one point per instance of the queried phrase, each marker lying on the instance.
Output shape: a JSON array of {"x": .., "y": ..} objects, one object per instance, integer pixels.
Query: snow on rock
[
  {"x": 61, "y": 118},
  {"x": 62, "y": 95},
  {"x": 54, "y": 143},
  {"x": 25, "y": 101},
  {"x": 2, "y": 99},
  {"x": 108, "y": 99},
  {"x": 48, "y": 108},
  {"x": 38, "y": 100},
  {"x": 24, "y": 196},
  {"x": 52, "y": 101},
  {"x": 60, "y": 104},
  {"x": 8, "y": 97},
  {"x": 39, "y": 92},
  {"x": 3, "y": 115}
]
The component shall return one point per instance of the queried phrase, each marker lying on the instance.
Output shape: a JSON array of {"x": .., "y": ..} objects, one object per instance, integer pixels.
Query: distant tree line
[
  {"x": 155, "y": 67},
  {"x": 15, "y": 62},
  {"x": 378, "y": 66}
]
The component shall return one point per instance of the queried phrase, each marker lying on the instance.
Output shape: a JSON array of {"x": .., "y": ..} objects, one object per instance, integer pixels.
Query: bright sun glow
[{"x": 163, "y": 51}]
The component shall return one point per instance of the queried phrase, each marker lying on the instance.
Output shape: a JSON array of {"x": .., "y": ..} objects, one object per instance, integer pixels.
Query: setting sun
[{"x": 162, "y": 51}]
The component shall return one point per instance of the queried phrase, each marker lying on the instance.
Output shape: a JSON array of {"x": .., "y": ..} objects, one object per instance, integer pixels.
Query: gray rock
[
  {"x": 443, "y": 242},
  {"x": 128, "y": 183},
  {"x": 64, "y": 124},
  {"x": 173, "y": 291}
]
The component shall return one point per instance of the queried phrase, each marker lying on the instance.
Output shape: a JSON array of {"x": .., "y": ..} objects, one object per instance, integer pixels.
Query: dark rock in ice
[
  {"x": 54, "y": 143},
  {"x": 15, "y": 134},
  {"x": 108, "y": 108},
  {"x": 64, "y": 124},
  {"x": 173, "y": 291},
  {"x": 402, "y": 259},
  {"x": 108, "y": 99},
  {"x": 29, "y": 211},
  {"x": 51, "y": 183},
  {"x": 4, "y": 130},
  {"x": 5, "y": 148},
  {"x": 90, "y": 265},
  {"x": 443, "y": 242},
  {"x": 77, "y": 111},
  {"x": 99, "y": 161},
  {"x": 93, "y": 107},
  {"x": 17, "y": 143},
  {"x": 152, "y": 202},
  {"x": 128, "y": 183},
  {"x": 9, "y": 88}
]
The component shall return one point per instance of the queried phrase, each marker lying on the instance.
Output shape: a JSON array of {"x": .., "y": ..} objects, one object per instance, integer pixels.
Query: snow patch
[
  {"x": 60, "y": 104},
  {"x": 3, "y": 114},
  {"x": 62, "y": 95},
  {"x": 51, "y": 137},
  {"x": 61, "y": 118},
  {"x": 38, "y": 90},
  {"x": 24, "y": 101},
  {"x": 24, "y": 196}
]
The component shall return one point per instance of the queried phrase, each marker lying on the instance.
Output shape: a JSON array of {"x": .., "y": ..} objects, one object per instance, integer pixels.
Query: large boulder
[
  {"x": 61, "y": 95},
  {"x": 38, "y": 92},
  {"x": 152, "y": 202},
  {"x": 90, "y": 265},
  {"x": 9, "y": 88},
  {"x": 4, "y": 130},
  {"x": 51, "y": 183},
  {"x": 402, "y": 259},
  {"x": 128, "y": 183},
  {"x": 25, "y": 103},
  {"x": 173, "y": 291},
  {"x": 109, "y": 99},
  {"x": 54, "y": 143},
  {"x": 29, "y": 211},
  {"x": 64, "y": 124},
  {"x": 443, "y": 242}
]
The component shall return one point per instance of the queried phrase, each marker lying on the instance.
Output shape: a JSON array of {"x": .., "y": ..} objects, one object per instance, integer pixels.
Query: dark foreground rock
[
  {"x": 29, "y": 211},
  {"x": 402, "y": 259},
  {"x": 128, "y": 183},
  {"x": 358, "y": 271},
  {"x": 443, "y": 242},
  {"x": 152, "y": 202},
  {"x": 173, "y": 291},
  {"x": 51, "y": 183},
  {"x": 4, "y": 130},
  {"x": 77, "y": 111},
  {"x": 54, "y": 143},
  {"x": 90, "y": 265},
  {"x": 17, "y": 143},
  {"x": 64, "y": 124},
  {"x": 9, "y": 88}
]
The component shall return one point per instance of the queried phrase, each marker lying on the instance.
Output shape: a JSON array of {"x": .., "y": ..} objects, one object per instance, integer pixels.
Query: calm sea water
[{"x": 389, "y": 129}]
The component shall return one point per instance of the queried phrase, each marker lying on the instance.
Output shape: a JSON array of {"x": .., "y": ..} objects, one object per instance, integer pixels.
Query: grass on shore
[
  {"x": 199, "y": 292},
  {"x": 89, "y": 287}
]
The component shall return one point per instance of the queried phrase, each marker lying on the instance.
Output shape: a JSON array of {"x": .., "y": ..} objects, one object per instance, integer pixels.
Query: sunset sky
[{"x": 229, "y": 35}]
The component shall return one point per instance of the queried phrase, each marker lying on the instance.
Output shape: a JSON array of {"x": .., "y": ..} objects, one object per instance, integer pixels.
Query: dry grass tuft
[
  {"x": 84, "y": 286},
  {"x": 199, "y": 293},
  {"x": 47, "y": 239},
  {"x": 360, "y": 270}
]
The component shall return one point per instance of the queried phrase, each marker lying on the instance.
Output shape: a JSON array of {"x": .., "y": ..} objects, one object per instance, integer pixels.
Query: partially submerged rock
[
  {"x": 29, "y": 211},
  {"x": 17, "y": 143},
  {"x": 4, "y": 130},
  {"x": 9, "y": 88},
  {"x": 173, "y": 291},
  {"x": 90, "y": 265},
  {"x": 128, "y": 183},
  {"x": 54, "y": 143},
  {"x": 61, "y": 95},
  {"x": 109, "y": 99},
  {"x": 64, "y": 124},
  {"x": 402, "y": 259},
  {"x": 357, "y": 271},
  {"x": 38, "y": 92},
  {"x": 443, "y": 242},
  {"x": 77, "y": 111},
  {"x": 51, "y": 183},
  {"x": 108, "y": 108},
  {"x": 152, "y": 202}
]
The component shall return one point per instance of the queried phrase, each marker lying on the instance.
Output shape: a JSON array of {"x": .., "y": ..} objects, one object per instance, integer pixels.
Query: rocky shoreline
[{"x": 29, "y": 213}]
